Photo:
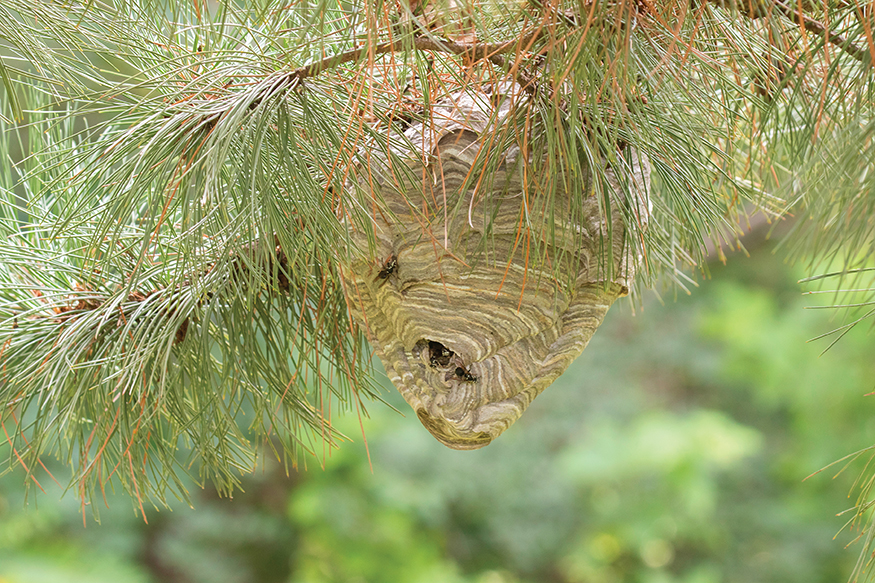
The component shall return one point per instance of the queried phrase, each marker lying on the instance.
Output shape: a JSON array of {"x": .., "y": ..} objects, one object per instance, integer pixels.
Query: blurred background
[{"x": 674, "y": 450}]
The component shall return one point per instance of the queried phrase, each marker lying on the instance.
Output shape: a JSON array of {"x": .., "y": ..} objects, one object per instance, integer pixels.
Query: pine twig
[
  {"x": 758, "y": 9},
  {"x": 819, "y": 29},
  {"x": 493, "y": 52},
  {"x": 249, "y": 254},
  {"x": 476, "y": 51}
]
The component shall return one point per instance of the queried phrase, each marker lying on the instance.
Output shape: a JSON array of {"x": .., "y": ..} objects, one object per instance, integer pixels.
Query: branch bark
[{"x": 493, "y": 52}]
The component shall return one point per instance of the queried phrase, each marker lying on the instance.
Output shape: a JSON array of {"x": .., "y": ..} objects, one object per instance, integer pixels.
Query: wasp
[
  {"x": 464, "y": 374},
  {"x": 389, "y": 267}
]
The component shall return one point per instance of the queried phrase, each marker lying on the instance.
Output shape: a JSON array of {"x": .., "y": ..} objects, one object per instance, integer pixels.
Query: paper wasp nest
[{"x": 470, "y": 327}]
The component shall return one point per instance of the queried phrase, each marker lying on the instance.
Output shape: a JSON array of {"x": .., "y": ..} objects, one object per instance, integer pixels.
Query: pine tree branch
[
  {"x": 202, "y": 207},
  {"x": 754, "y": 9},
  {"x": 493, "y": 52},
  {"x": 474, "y": 51},
  {"x": 252, "y": 254},
  {"x": 819, "y": 29}
]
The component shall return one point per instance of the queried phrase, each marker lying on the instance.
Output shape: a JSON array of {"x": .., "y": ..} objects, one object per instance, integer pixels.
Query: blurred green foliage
[{"x": 673, "y": 451}]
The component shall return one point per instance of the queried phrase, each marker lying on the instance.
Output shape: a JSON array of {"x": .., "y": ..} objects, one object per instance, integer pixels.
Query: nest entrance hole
[{"x": 439, "y": 356}]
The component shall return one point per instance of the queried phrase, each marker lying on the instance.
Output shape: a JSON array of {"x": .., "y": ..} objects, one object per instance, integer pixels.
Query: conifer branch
[
  {"x": 819, "y": 29},
  {"x": 755, "y": 9},
  {"x": 192, "y": 202},
  {"x": 493, "y": 52},
  {"x": 267, "y": 261}
]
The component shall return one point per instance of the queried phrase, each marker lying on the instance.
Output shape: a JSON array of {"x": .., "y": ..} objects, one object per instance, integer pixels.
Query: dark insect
[
  {"x": 388, "y": 268},
  {"x": 464, "y": 374}
]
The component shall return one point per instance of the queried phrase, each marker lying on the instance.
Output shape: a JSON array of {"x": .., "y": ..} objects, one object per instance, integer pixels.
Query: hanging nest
[{"x": 477, "y": 294}]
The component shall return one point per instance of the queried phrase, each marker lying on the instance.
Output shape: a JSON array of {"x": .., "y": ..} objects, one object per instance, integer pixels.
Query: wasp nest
[{"x": 469, "y": 325}]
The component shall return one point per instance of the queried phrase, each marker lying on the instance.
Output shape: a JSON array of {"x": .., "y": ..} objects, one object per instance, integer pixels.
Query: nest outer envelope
[{"x": 469, "y": 329}]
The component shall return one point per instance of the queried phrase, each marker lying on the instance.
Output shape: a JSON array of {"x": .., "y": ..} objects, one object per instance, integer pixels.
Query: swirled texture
[{"x": 469, "y": 327}]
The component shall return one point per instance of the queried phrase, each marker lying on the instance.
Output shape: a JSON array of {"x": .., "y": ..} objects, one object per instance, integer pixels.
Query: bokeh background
[{"x": 674, "y": 450}]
